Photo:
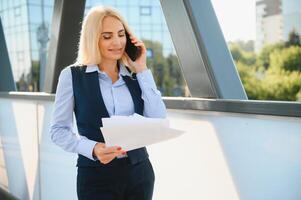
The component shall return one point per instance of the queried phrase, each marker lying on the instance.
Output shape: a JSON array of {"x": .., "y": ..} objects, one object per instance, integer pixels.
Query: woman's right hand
[{"x": 106, "y": 154}]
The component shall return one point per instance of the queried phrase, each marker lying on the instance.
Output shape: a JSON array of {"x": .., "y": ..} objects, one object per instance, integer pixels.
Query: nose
[{"x": 117, "y": 41}]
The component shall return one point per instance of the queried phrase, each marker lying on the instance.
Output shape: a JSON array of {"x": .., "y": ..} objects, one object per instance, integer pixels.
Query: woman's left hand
[{"x": 140, "y": 63}]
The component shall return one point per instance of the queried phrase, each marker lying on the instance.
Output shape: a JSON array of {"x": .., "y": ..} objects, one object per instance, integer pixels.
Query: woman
[{"x": 100, "y": 85}]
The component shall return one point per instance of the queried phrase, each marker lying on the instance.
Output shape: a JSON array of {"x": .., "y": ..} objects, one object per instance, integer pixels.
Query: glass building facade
[
  {"x": 23, "y": 23},
  {"x": 27, "y": 25},
  {"x": 145, "y": 18}
]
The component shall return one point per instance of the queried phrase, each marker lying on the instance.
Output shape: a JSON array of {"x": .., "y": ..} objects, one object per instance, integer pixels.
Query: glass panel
[
  {"x": 48, "y": 15},
  {"x": 145, "y": 18},
  {"x": 49, "y": 3},
  {"x": 34, "y": 41},
  {"x": 264, "y": 39},
  {"x": 34, "y": 2},
  {"x": 133, "y": 15},
  {"x": 14, "y": 18},
  {"x": 145, "y": 10},
  {"x": 35, "y": 14},
  {"x": 148, "y": 22}
]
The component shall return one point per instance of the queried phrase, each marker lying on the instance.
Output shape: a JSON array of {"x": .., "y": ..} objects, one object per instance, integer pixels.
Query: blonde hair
[{"x": 88, "y": 50}]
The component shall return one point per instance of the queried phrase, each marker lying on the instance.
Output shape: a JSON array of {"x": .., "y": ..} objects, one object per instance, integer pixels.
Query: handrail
[{"x": 278, "y": 108}]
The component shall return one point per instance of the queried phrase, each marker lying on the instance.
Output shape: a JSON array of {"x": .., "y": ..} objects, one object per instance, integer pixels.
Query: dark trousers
[{"x": 121, "y": 181}]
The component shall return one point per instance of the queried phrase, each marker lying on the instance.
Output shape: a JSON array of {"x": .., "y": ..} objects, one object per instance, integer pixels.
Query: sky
[{"x": 237, "y": 18}]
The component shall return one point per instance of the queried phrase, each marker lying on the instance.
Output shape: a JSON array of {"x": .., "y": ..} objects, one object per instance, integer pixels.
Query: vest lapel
[
  {"x": 95, "y": 94},
  {"x": 136, "y": 95}
]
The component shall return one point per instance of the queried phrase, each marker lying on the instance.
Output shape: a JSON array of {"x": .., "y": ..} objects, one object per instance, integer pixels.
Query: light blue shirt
[{"x": 117, "y": 99}]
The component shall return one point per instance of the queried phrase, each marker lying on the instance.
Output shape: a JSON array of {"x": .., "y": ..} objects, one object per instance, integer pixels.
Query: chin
[
  {"x": 113, "y": 56},
  {"x": 116, "y": 57}
]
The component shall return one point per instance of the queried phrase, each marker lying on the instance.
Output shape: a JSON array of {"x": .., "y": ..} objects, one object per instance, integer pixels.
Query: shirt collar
[{"x": 93, "y": 67}]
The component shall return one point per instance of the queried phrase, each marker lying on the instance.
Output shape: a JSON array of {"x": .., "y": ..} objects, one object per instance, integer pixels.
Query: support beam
[
  {"x": 203, "y": 54},
  {"x": 65, "y": 30},
  {"x": 6, "y": 76}
]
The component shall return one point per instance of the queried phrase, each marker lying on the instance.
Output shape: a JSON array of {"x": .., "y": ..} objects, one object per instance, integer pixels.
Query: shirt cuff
[{"x": 86, "y": 147}]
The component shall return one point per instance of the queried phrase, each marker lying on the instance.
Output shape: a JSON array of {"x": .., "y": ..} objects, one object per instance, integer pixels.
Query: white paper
[{"x": 136, "y": 131}]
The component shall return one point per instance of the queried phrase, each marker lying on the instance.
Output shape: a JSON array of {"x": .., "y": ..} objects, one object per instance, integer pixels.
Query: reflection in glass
[
  {"x": 268, "y": 64},
  {"x": 32, "y": 31}
]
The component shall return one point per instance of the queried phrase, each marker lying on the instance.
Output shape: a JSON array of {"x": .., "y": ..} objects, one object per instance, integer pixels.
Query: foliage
[
  {"x": 247, "y": 46},
  {"x": 281, "y": 85},
  {"x": 288, "y": 58},
  {"x": 276, "y": 72},
  {"x": 238, "y": 54},
  {"x": 293, "y": 39},
  {"x": 263, "y": 59},
  {"x": 30, "y": 81},
  {"x": 166, "y": 70},
  {"x": 272, "y": 74}
]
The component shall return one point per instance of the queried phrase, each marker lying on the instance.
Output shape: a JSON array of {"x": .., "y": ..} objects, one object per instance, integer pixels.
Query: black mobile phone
[{"x": 132, "y": 51}]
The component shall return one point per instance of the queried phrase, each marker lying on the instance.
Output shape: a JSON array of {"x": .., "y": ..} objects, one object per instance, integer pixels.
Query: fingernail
[
  {"x": 119, "y": 148},
  {"x": 123, "y": 153}
]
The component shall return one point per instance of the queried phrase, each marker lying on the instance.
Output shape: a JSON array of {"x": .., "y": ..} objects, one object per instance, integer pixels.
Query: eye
[
  {"x": 106, "y": 37},
  {"x": 121, "y": 35}
]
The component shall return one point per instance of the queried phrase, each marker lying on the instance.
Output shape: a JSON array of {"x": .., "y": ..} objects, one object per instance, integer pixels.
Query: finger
[
  {"x": 113, "y": 149},
  {"x": 118, "y": 153},
  {"x": 132, "y": 36},
  {"x": 138, "y": 43},
  {"x": 134, "y": 40},
  {"x": 107, "y": 158},
  {"x": 141, "y": 45}
]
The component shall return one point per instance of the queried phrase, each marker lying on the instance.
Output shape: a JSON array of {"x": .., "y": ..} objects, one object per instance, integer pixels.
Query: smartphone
[{"x": 132, "y": 51}]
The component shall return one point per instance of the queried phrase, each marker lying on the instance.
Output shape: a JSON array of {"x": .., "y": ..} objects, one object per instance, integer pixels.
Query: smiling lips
[{"x": 116, "y": 51}]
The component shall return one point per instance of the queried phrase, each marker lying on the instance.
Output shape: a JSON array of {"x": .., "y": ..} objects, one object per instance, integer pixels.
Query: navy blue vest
[{"x": 89, "y": 109}]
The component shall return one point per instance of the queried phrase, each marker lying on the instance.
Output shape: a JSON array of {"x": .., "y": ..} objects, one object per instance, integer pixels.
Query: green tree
[
  {"x": 263, "y": 59},
  {"x": 35, "y": 75},
  {"x": 247, "y": 46},
  {"x": 22, "y": 83},
  {"x": 250, "y": 80},
  {"x": 276, "y": 74},
  {"x": 166, "y": 70},
  {"x": 287, "y": 58},
  {"x": 273, "y": 84},
  {"x": 281, "y": 85},
  {"x": 30, "y": 81},
  {"x": 157, "y": 64},
  {"x": 240, "y": 55},
  {"x": 293, "y": 39},
  {"x": 175, "y": 72}
]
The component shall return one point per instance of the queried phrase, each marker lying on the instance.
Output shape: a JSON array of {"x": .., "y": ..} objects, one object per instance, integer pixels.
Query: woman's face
[{"x": 112, "y": 39}]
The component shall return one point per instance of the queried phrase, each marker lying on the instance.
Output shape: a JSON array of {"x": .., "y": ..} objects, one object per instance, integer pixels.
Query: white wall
[{"x": 222, "y": 156}]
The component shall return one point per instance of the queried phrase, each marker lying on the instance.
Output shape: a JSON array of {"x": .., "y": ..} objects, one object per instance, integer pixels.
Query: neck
[{"x": 109, "y": 66}]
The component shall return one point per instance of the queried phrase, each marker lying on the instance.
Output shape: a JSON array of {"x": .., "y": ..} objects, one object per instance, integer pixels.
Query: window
[
  {"x": 271, "y": 69},
  {"x": 145, "y": 10}
]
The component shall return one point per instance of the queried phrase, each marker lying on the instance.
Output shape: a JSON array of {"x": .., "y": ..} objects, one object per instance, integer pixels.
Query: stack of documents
[{"x": 136, "y": 131}]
